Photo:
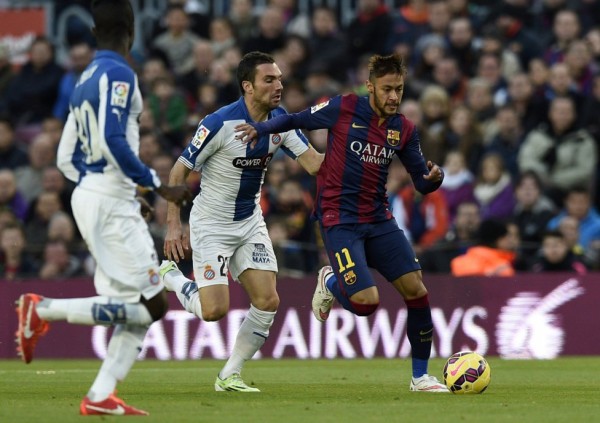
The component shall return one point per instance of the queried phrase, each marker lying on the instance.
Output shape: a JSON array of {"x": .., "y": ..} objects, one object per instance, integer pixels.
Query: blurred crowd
[{"x": 505, "y": 95}]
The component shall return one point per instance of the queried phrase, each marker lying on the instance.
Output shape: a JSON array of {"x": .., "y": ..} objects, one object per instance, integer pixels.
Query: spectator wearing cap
[{"x": 494, "y": 254}]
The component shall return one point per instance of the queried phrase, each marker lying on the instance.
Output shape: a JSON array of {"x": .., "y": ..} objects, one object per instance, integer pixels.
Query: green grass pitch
[{"x": 314, "y": 391}]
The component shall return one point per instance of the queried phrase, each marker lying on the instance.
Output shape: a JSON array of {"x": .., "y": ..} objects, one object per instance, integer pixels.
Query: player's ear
[
  {"x": 370, "y": 87},
  {"x": 247, "y": 86}
]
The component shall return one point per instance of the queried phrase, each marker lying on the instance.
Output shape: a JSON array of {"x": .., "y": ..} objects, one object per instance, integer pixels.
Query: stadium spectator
[
  {"x": 153, "y": 68},
  {"x": 531, "y": 108},
  {"x": 562, "y": 84},
  {"x": 493, "y": 188},
  {"x": 428, "y": 51},
  {"x": 296, "y": 22},
  {"x": 42, "y": 153},
  {"x": 435, "y": 106},
  {"x": 222, "y": 35},
  {"x": 539, "y": 73},
  {"x": 464, "y": 134},
  {"x": 243, "y": 18},
  {"x": 57, "y": 263},
  {"x": 590, "y": 120},
  {"x": 41, "y": 211},
  {"x": 579, "y": 206},
  {"x": 271, "y": 32},
  {"x": 439, "y": 17},
  {"x": 296, "y": 56},
  {"x": 177, "y": 42},
  {"x": 12, "y": 156},
  {"x": 324, "y": 42},
  {"x": 561, "y": 154},
  {"x": 169, "y": 109},
  {"x": 447, "y": 74},
  {"x": 489, "y": 67},
  {"x": 53, "y": 127},
  {"x": 510, "y": 20},
  {"x": 463, "y": 46},
  {"x": 461, "y": 236},
  {"x": 532, "y": 213},
  {"x": 80, "y": 55},
  {"x": 357, "y": 226},
  {"x": 54, "y": 181},
  {"x": 593, "y": 39},
  {"x": 203, "y": 59},
  {"x": 10, "y": 197},
  {"x": 508, "y": 139},
  {"x": 368, "y": 32},
  {"x": 409, "y": 23},
  {"x": 34, "y": 90},
  {"x": 424, "y": 216},
  {"x": 556, "y": 257},
  {"x": 578, "y": 59},
  {"x": 458, "y": 184},
  {"x": 493, "y": 43},
  {"x": 566, "y": 28},
  {"x": 569, "y": 228},
  {"x": 15, "y": 262},
  {"x": 493, "y": 255},
  {"x": 480, "y": 101}
]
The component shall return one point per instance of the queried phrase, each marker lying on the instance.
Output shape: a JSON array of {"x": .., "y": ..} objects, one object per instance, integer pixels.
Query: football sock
[
  {"x": 186, "y": 291},
  {"x": 93, "y": 311},
  {"x": 337, "y": 292},
  {"x": 253, "y": 333},
  {"x": 123, "y": 349},
  {"x": 419, "y": 329}
]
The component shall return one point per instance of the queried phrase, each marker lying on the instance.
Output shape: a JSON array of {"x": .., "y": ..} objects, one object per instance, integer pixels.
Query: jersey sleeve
[
  {"x": 203, "y": 141},
  {"x": 69, "y": 157},
  {"x": 115, "y": 101},
  {"x": 322, "y": 116}
]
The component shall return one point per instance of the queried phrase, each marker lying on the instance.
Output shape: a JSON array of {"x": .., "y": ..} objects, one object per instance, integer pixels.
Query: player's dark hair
[
  {"x": 384, "y": 65},
  {"x": 113, "y": 21},
  {"x": 246, "y": 70}
]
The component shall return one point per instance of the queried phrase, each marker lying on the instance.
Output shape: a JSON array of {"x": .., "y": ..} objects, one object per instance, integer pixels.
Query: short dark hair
[
  {"x": 246, "y": 70},
  {"x": 113, "y": 20},
  {"x": 384, "y": 65}
]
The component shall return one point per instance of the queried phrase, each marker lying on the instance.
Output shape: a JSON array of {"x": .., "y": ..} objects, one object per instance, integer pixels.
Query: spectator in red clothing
[{"x": 424, "y": 218}]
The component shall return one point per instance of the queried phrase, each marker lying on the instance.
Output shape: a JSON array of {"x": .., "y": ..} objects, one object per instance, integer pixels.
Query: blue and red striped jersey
[{"x": 351, "y": 184}]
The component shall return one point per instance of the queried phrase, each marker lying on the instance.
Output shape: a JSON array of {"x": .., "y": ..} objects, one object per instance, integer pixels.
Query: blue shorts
[{"x": 354, "y": 248}]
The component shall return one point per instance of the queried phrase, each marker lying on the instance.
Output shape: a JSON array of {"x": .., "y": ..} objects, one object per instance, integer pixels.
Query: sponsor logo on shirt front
[
  {"x": 119, "y": 93},
  {"x": 252, "y": 162},
  {"x": 200, "y": 136},
  {"x": 372, "y": 153}
]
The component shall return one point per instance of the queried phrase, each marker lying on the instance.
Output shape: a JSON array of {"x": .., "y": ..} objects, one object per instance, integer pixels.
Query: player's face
[
  {"x": 267, "y": 87},
  {"x": 385, "y": 94}
]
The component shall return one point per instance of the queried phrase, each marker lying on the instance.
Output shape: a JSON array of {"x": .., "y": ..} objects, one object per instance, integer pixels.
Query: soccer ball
[{"x": 467, "y": 372}]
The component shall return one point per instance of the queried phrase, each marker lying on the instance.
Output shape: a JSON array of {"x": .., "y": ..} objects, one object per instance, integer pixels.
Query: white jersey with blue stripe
[
  {"x": 233, "y": 172},
  {"x": 100, "y": 142}
]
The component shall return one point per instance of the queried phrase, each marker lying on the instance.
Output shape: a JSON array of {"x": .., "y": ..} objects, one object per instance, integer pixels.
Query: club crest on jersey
[
  {"x": 209, "y": 273},
  {"x": 318, "y": 107},
  {"x": 119, "y": 93},
  {"x": 200, "y": 136},
  {"x": 252, "y": 162},
  {"x": 393, "y": 137},
  {"x": 275, "y": 139},
  {"x": 350, "y": 277},
  {"x": 153, "y": 277}
]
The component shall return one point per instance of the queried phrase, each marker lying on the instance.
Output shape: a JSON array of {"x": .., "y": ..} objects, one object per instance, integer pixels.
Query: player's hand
[
  {"x": 246, "y": 133},
  {"x": 175, "y": 243},
  {"x": 145, "y": 208},
  {"x": 435, "y": 172},
  {"x": 178, "y": 194}
]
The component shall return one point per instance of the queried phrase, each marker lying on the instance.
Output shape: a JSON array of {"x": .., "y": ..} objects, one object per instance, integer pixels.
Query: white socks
[
  {"x": 93, "y": 311},
  {"x": 186, "y": 290},
  {"x": 123, "y": 349},
  {"x": 252, "y": 335}
]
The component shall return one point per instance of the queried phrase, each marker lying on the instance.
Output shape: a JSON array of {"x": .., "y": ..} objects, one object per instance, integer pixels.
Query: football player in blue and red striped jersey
[{"x": 359, "y": 232}]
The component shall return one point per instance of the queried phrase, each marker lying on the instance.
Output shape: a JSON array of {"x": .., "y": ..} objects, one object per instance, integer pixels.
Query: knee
[
  {"x": 267, "y": 303},
  {"x": 213, "y": 312}
]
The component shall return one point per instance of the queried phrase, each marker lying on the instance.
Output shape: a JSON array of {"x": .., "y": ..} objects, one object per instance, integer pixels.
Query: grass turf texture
[{"x": 315, "y": 391}]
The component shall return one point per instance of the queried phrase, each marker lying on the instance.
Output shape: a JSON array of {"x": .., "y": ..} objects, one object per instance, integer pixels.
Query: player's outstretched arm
[{"x": 175, "y": 241}]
